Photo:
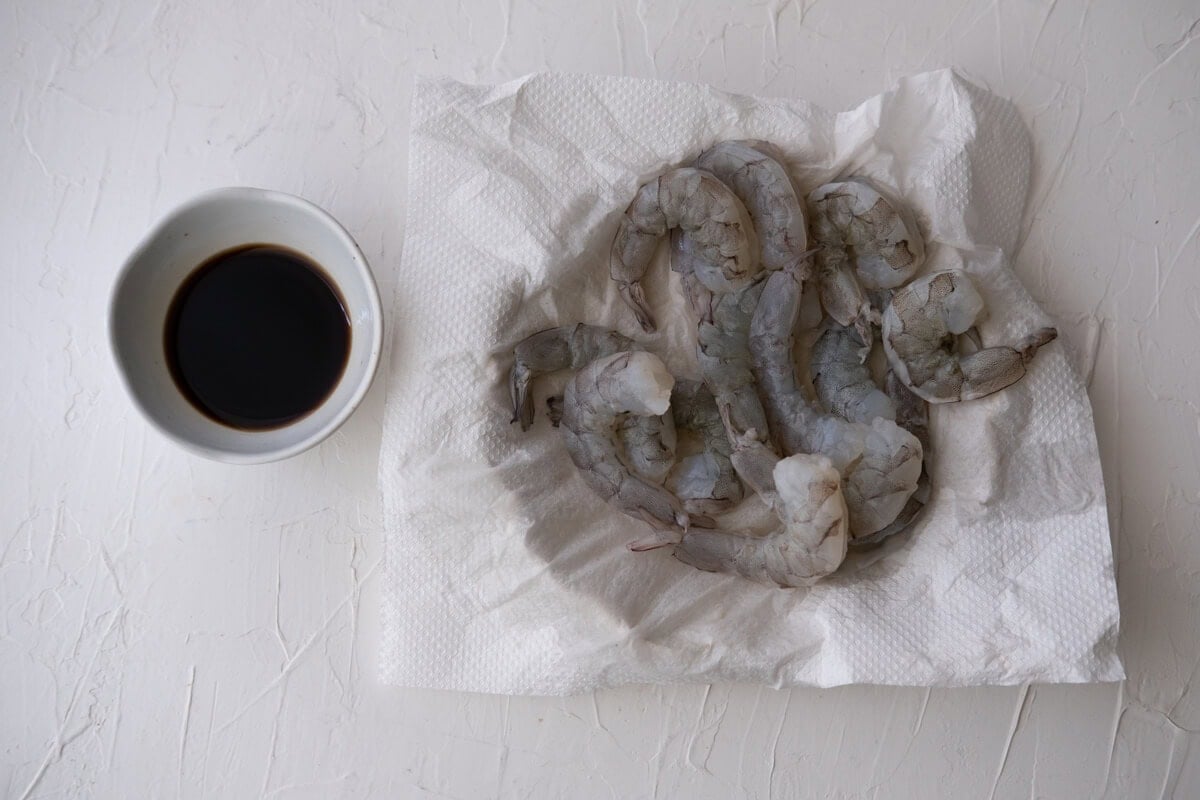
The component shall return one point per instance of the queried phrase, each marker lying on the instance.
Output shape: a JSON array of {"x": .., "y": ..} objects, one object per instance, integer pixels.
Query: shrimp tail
[
  {"x": 648, "y": 543},
  {"x": 554, "y": 409},
  {"x": 654, "y": 541},
  {"x": 805, "y": 265},
  {"x": 1028, "y": 346},
  {"x": 522, "y": 399},
  {"x": 842, "y": 382},
  {"x": 661, "y": 536},
  {"x": 995, "y": 368},
  {"x": 635, "y": 297},
  {"x": 863, "y": 326},
  {"x": 706, "y": 482},
  {"x": 666, "y": 537}
]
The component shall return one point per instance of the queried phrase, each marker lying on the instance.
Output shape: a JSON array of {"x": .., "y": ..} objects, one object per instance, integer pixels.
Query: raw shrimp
[
  {"x": 722, "y": 341},
  {"x": 649, "y": 444},
  {"x": 724, "y": 243},
  {"x": 805, "y": 491},
  {"x": 598, "y": 395},
  {"x": 647, "y": 441},
  {"x": 568, "y": 347},
  {"x": 845, "y": 387},
  {"x": 752, "y": 169},
  {"x": 723, "y": 353},
  {"x": 704, "y": 481},
  {"x": 866, "y": 241},
  {"x": 723, "y": 313},
  {"x": 920, "y": 329},
  {"x": 879, "y": 235},
  {"x": 842, "y": 297},
  {"x": 879, "y": 462},
  {"x": 723, "y": 331},
  {"x": 842, "y": 381},
  {"x": 912, "y": 414}
]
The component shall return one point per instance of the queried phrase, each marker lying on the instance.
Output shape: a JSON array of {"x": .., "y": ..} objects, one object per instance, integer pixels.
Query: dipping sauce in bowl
[
  {"x": 257, "y": 337},
  {"x": 246, "y": 326}
]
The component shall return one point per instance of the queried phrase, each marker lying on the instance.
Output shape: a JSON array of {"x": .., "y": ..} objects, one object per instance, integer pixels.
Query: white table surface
[{"x": 175, "y": 627}]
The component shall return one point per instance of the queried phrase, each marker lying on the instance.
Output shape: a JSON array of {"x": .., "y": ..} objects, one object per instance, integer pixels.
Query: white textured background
[{"x": 173, "y": 627}]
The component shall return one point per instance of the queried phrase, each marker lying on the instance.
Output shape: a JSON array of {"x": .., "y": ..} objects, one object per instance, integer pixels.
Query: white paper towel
[{"x": 505, "y": 574}]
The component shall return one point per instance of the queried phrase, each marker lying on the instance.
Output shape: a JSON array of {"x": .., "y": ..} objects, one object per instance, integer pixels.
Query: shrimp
[
  {"x": 920, "y": 328},
  {"x": 722, "y": 341},
  {"x": 867, "y": 241},
  {"x": 752, "y": 169},
  {"x": 843, "y": 383},
  {"x": 724, "y": 243},
  {"x": 568, "y": 347},
  {"x": 843, "y": 298},
  {"x": 705, "y": 481},
  {"x": 879, "y": 462},
  {"x": 879, "y": 234},
  {"x": 723, "y": 353},
  {"x": 723, "y": 312},
  {"x": 805, "y": 492},
  {"x": 599, "y": 394},
  {"x": 912, "y": 414},
  {"x": 845, "y": 387},
  {"x": 649, "y": 444},
  {"x": 647, "y": 441}
]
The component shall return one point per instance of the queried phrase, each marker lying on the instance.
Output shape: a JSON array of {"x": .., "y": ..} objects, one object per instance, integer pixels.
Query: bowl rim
[{"x": 363, "y": 271}]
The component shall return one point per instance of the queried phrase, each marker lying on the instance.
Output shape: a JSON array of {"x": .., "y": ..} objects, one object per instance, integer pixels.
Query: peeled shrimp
[
  {"x": 805, "y": 491},
  {"x": 920, "y": 326},
  {"x": 705, "y": 481},
  {"x": 867, "y": 241},
  {"x": 879, "y": 462},
  {"x": 842, "y": 381},
  {"x": 599, "y": 394},
  {"x": 568, "y": 347},
  {"x": 752, "y": 169},
  {"x": 723, "y": 240}
]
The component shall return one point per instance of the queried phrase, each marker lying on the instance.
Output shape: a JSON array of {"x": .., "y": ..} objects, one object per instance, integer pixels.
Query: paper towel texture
[{"x": 505, "y": 574}]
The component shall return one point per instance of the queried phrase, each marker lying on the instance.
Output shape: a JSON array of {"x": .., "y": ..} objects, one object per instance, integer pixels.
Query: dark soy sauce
[{"x": 257, "y": 337}]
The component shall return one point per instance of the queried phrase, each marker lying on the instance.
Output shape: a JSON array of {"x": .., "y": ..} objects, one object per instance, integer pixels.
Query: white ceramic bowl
[{"x": 204, "y": 227}]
